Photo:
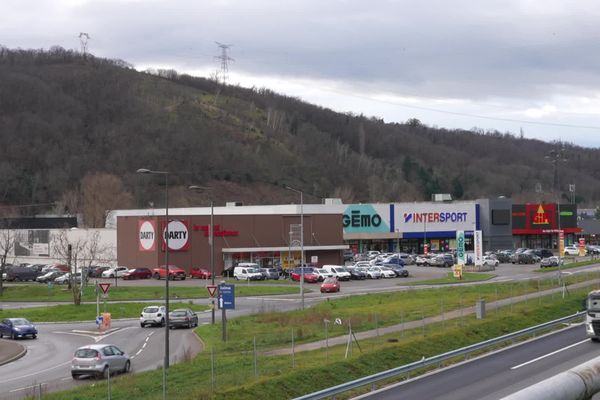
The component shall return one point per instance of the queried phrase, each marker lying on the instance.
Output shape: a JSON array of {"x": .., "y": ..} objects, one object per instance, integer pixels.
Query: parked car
[
  {"x": 330, "y": 285},
  {"x": 490, "y": 260},
  {"x": 323, "y": 274},
  {"x": 398, "y": 269},
  {"x": 174, "y": 273},
  {"x": 96, "y": 271},
  {"x": 247, "y": 273},
  {"x": 49, "y": 276},
  {"x": 393, "y": 259},
  {"x": 441, "y": 260},
  {"x": 503, "y": 256},
  {"x": 592, "y": 249},
  {"x": 64, "y": 278},
  {"x": 21, "y": 274},
  {"x": 422, "y": 260},
  {"x": 373, "y": 253},
  {"x": 338, "y": 271},
  {"x": 372, "y": 272},
  {"x": 99, "y": 360},
  {"x": 386, "y": 272},
  {"x": 309, "y": 274},
  {"x": 115, "y": 272},
  {"x": 573, "y": 251},
  {"x": 269, "y": 273},
  {"x": 543, "y": 253},
  {"x": 356, "y": 274},
  {"x": 553, "y": 261},
  {"x": 137, "y": 273},
  {"x": 17, "y": 328},
  {"x": 200, "y": 273},
  {"x": 153, "y": 315},
  {"x": 522, "y": 258},
  {"x": 183, "y": 317},
  {"x": 348, "y": 255}
]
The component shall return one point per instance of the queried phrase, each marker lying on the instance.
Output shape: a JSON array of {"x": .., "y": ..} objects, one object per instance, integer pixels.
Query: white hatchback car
[
  {"x": 573, "y": 251},
  {"x": 153, "y": 315},
  {"x": 114, "y": 272}
]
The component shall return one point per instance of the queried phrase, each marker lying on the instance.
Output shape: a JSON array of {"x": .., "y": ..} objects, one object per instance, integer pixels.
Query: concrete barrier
[{"x": 579, "y": 383}]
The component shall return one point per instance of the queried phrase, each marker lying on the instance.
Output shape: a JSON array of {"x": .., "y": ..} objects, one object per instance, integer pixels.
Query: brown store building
[{"x": 267, "y": 235}]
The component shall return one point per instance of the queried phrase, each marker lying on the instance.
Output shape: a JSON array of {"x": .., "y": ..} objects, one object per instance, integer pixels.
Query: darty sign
[
  {"x": 178, "y": 235},
  {"x": 146, "y": 235}
]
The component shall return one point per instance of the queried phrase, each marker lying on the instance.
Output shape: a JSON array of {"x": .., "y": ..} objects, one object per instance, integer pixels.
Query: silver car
[{"x": 98, "y": 359}]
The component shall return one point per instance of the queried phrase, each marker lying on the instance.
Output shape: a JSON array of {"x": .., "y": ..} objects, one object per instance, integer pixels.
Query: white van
[
  {"x": 247, "y": 272},
  {"x": 338, "y": 271}
]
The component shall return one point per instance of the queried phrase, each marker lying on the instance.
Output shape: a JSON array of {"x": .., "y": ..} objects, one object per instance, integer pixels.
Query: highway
[{"x": 499, "y": 374}]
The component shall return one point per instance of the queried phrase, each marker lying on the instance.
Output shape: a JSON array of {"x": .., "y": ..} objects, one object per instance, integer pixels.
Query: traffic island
[{"x": 11, "y": 351}]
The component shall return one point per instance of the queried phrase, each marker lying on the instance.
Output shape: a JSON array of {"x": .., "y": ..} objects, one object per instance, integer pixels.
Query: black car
[
  {"x": 522, "y": 258},
  {"x": 543, "y": 253},
  {"x": 398, "y": 269},
  {"x": 21, "y": 274},
  {"x": 356, "y": 275}
]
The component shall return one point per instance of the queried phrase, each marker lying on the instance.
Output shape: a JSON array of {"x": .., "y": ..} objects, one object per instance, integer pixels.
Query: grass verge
[
  {"x": 467, "y": 277},
  {"x": 568, "y": 266},
  {"x": 291, "y": 375},
  {"x": 38, "y": 292}
]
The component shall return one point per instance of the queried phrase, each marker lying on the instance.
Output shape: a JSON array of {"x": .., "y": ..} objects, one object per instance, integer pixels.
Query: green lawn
[
  {"x": 568, "y": 266},
  {"x": 87, "y": 312},
  {"x": 288, "y": 376},
  {"x": 467, "y": 277},
  {"x": 38, "y": 292}
]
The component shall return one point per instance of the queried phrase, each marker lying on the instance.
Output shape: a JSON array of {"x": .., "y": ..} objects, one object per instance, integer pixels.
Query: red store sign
[{"x": 218, "y": 232}]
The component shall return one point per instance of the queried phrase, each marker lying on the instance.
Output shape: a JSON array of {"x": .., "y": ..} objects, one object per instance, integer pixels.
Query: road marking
[
  {"x": 37, "y": 372},
  {"x": 549, "y": 354}
]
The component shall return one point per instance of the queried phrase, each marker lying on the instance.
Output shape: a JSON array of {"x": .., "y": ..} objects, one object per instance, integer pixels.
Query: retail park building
[{"x": 270, "y": 235}]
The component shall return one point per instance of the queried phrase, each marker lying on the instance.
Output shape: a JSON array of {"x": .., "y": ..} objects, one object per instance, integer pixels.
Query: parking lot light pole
[
  {"x": 211, "y": 240},
  {"x": 166, "y": 238},
  {"x": 301, "y": 242}
]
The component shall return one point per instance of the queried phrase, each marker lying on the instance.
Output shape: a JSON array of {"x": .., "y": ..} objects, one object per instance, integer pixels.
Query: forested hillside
[{"x": 74, "y": 130}]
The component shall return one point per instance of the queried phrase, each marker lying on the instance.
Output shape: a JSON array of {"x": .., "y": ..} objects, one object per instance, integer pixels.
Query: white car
[
  {"x": 114, "y": 272},
  {"x": 153, "y": 315},
  {"x": 323, "y": 274},
  {"x": 385, "y": 272},
  {"x": 487, "y": 260},
  {"x": 373, "y": 272},
  {"x": 573, "y": 251}
]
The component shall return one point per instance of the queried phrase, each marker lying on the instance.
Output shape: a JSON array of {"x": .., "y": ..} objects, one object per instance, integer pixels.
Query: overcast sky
[{"x": 495, "y": 65}]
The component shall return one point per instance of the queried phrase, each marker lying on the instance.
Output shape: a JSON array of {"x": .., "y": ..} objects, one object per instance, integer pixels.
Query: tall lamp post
[
  {"x": 211, "y": 240},
  {"x": 301, "y": 242},
  {"x": 556, "y": 157},
  {"x": 166, "y": 237}
]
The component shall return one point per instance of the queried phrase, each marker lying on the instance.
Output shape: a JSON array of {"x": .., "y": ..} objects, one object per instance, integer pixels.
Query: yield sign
[
  {"x": 104, "y": 287},
  {"x": 212, "y": 289}
]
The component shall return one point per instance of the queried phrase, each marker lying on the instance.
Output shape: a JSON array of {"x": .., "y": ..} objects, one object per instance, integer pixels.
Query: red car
[
  {"x": 330, "y": 285},
  {"x": 174, "y": 273},
  {"x": 200, "y": 273},
  {"x": 309, "y": 275},
  {"x": 138, "y": 273}
]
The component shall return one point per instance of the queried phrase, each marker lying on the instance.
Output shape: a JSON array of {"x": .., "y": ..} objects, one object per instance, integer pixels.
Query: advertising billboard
[{"x": 435, "y": 217}]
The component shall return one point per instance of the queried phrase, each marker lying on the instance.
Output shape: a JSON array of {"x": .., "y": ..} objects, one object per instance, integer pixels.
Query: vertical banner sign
[
  {"x": 460, "y": 247},
  {"x": 561, "y": 243},
  {"x": 425, "y": 249},
  {"x": 478, "y": 244},
  {"x": 581, "y": 247}
]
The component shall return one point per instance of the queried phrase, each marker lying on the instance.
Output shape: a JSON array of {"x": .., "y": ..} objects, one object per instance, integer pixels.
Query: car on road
[
  {"x": 309, "y": 274},
  {"x": 114, "y": 272},
  {"x": 174, "y": 273},
  {"x": 330, "y": 285},
  {"x": 153, "y": 315},
  {"x": 573, "y": 251},
  {"x": 137, "y": 273},
  {"x": 183, "y": 318},
  {"x": 99, "y": 360},
  {"x": 17, "y": 328},
  {"x": 200, "y": 273}
]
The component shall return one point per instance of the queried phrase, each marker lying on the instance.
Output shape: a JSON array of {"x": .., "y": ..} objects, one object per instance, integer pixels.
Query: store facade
[
  {"x": 538, "y": 225},
  {"x": 268, "y": 235}
]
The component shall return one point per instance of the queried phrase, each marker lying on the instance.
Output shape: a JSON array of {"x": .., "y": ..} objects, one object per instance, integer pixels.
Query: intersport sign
[{"x": 435, "y": 217}]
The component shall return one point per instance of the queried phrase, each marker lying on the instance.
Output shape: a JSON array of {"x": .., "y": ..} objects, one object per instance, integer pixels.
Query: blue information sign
[{"x": 226, "y": 296}]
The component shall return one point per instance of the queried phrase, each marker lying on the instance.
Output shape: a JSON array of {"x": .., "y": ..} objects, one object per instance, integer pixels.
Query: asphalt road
[
  {"x": 502, "y": 373},
  {"x": 48, "y": 358}
]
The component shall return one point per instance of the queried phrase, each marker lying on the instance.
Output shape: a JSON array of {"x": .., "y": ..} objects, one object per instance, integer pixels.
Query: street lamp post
[
  {"x": 166, "y": 238},
  {"x": 211, "y": 239},
  {"x": 556, "y": 157},
  {"x": 301, "y": 243}
]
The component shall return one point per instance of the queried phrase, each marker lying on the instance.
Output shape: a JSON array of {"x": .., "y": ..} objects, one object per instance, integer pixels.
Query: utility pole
[{"x": 224, "y": 58}]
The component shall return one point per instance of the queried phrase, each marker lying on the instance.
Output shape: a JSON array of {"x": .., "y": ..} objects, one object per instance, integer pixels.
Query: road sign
[
  {"x": 212, "y": 289},
  {"x": 226, "y": 296},
  {"x": 104, "y": 287}
]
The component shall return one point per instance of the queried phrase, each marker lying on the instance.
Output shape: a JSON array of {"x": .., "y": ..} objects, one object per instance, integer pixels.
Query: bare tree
[
  {"x": 80, "y": 252},
  {"x": 101, "y": 193},
  {"x": 7, "y": 242}
]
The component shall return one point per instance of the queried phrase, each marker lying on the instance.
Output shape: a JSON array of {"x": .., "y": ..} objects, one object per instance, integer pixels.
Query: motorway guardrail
[{"x": 405, "y": 369}]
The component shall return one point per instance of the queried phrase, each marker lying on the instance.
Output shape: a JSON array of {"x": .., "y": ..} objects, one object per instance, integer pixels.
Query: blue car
[{"x": 17, "y": 328}]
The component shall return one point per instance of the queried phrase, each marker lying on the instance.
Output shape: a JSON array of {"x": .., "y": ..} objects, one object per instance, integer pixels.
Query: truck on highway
[{"x": 592, "y": 316}]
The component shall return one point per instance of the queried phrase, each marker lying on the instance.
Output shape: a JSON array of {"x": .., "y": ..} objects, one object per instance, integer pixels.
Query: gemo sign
[
  {"x": 177, "y": 235},
  {"x": 146, "y": 235}
]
